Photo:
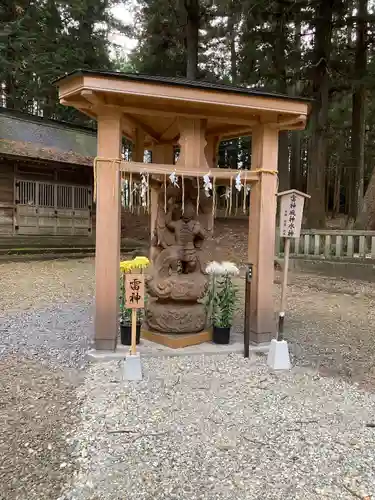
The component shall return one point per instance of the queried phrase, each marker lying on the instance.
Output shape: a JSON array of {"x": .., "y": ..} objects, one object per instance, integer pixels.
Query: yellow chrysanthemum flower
[
  {"x": 141, "y": 261},
  {"x": 125, "y": 266}
]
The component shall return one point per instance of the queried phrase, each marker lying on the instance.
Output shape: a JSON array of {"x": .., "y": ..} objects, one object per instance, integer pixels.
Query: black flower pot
[
  {"x": 126, "y": 334},
  {"x": 221, "y": 334}
]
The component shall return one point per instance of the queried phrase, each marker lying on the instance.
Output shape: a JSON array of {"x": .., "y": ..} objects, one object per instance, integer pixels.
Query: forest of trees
[{"x": 322, "y": 49}]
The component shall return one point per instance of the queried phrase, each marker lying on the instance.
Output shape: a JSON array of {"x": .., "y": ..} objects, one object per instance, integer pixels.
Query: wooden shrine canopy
[
  {"x": 229, "y": 111},
  {"x": 157, "y": 113}
]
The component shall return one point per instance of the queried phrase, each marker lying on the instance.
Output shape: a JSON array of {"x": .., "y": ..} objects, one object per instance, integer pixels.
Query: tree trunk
[
  {"x": 10, "y": 15},
  {"x": 336, "y": 191},
  {"x": 232, "y": 28},
  {"x": 295, "y": 161},
  {"x": 283, "y": 161},
  {"x": 366, "y": 219},
  {"x": 295, "y": 139},
  {"x": 192, "y": 37},
  {"x": 358, "y": 111},
  {"x": 316, "y": 217},
  {"x": 280, "y": 28}
]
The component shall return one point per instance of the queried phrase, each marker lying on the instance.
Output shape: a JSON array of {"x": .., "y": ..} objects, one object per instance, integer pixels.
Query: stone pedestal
[
  {"x": 173, "y": 306},
  {"x": 175, "y": 317}
]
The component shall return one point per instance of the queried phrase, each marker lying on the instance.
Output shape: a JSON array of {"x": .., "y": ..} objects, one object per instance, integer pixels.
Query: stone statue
[
  {"x": 177, "y": 280},
  {"x": 188, "y": 237}
]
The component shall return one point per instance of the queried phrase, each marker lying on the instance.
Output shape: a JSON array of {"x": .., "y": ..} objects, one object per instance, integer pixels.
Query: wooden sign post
[
  {"x": 291, "y": 213},
  {"x": 134, "y": 299}
]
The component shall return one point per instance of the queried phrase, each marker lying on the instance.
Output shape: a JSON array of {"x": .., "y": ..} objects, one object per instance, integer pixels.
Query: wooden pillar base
[
  {"x": 177, "y": 340},
  {"x": 261, "y": 337},
  {"x": 105, "y": 345}
]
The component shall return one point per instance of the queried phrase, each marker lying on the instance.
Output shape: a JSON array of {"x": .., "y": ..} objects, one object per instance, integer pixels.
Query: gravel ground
[
  {"x": 59, "y": 335},
  {"x": 45, "y": 328},
  {"x": 37, "y": 414},
  {"x": 329, "y": 326},
  {"x": 221, "y": 427}
]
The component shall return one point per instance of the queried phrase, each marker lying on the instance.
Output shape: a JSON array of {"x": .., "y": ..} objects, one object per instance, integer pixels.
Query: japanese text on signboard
[
  {"x": 134, "y": 291},
  {"x": 291, "y": 211}
]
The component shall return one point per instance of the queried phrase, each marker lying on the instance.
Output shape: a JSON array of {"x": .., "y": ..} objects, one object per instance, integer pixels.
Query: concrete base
[
  {"x": 150, "y": 350},
  {"x": 278, "y": 355},
  {"x": 133, "y": 367},
  {"x": 177, "y": 340}
]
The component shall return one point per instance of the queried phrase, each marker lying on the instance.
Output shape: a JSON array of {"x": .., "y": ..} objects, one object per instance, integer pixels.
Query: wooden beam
[
  {"x": 76, "y": 104},
  {"x": 92, "y": 98},
  {"x": 88, "y": 109},
  {"x": 85, "y": 109},
  {"x": 243, "y": 126},
  {"x": 296, "y": 122},
  {"x": 146, "y": 129},
  {"x": 172, "y": 124},
  {"x": 194, "y": 96},
  {"x": 234, "y": 120},
  {"x": 234, "y": 132},
  {"x": 131, "y": 110},
  {"x": 163, "y": 169}
]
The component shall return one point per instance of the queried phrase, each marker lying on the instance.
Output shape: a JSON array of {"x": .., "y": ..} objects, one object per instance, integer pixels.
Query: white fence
[{"x": 330, "y": 244}]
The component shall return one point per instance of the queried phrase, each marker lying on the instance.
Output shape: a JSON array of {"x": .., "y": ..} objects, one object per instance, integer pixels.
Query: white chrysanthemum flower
[
  {"x": 214, "y": 268},
  {"x": 230, "y": 268}
]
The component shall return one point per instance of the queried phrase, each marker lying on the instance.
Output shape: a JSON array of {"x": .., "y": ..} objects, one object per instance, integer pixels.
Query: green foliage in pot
[
  {"x": 224, "y": 302},
  {"x": 221, "y": 293}
]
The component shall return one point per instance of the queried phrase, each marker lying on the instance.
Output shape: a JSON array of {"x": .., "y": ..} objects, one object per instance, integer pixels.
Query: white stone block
[
  {"x": 133, "y": 367},
  {"x": 278, "y": 355}
]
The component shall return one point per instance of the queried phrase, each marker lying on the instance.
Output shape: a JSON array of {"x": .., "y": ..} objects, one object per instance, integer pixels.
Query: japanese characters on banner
[
  {"x": 134, "y": 291},
  {"x": 291, "y": 212}
]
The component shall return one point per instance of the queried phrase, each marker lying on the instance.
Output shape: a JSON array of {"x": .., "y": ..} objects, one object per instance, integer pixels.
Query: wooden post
[
  {"x": 108, "y": 199},
  {"x": 291, "y": 213},
  {"x": 138, "y": 145},
  {"x": 134, "y": 299},
  {"x": 248, "y": 279},
  {"x": 283, "y": 290},
  {"x": 164, "y": 154},
  {"x": 134, "y": 331},
  {"x": 262, "y": 229},
  {"x": 193, "y": 143},
  {"x": 211, "y": 151}
]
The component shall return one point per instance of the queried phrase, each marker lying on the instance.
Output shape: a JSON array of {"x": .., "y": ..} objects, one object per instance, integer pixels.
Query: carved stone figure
[{"x": 177, "y": 280}]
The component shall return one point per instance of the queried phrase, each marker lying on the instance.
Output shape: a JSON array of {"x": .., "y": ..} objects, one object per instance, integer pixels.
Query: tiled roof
[{"x": 39, "y": 151}]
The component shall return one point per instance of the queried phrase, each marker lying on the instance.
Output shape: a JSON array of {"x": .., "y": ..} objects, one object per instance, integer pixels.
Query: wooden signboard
[
  {"x": 291, "y": 212},
  {"x": 134, "y": 291},
  {"x": 134, "y": 300}
]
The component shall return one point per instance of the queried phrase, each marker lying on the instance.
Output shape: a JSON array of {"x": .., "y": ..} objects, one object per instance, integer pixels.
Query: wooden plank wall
[
  {"x": 11, "y": 169},
  {"x": 50, "y": 172},
  {"x": 6, "y": 197}
]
